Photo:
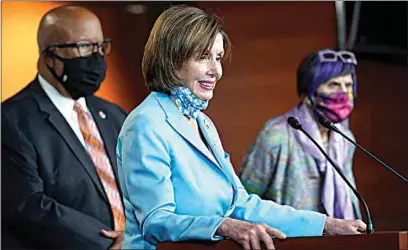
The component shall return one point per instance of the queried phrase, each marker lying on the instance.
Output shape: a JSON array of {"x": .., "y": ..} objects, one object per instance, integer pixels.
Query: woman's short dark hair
[
  {"x": 179, "y": 34},
  {"x": 311, "y": 73}
]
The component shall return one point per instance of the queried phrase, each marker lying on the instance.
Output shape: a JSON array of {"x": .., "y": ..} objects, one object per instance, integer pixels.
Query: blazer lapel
[
  {"x": 184, "y": 129},
  {"x": 59, "y": 123},
  {"x": 181, "y": 126},
  {"x": 213, "y": 140}
]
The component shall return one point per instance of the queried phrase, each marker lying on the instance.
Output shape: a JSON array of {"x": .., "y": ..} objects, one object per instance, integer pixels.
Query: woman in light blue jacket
[{"x": 177, "y": 181}]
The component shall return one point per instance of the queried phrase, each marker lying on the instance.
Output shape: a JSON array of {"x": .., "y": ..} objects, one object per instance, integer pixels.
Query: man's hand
[
  {"x": 249, "y": 235},
  {"x": 338, "y": 226},
  {"x": 116, "y": 235}
]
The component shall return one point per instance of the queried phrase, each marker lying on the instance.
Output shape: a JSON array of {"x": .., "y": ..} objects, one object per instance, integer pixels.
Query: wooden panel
[
  {"x": 269, "y": 40},
  {"x": 378, "y": 241},
  {"x": 379, "y": 123},
  {"x": 124, "y": 82}
]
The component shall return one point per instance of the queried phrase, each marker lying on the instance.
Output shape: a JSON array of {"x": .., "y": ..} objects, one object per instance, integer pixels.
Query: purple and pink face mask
[{"x": 337, "y": 106}]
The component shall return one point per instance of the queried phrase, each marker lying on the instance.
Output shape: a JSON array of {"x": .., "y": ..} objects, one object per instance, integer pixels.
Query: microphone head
[
  {"x": 325, "y": 122},
  {"x": 294, "y": 123}
]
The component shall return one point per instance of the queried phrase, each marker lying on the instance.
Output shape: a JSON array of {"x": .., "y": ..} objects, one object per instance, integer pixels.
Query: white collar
[{"x": 64, "y": 104}]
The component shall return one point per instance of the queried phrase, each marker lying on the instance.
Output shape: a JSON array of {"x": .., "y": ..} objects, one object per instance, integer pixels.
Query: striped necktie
[{"x": 96, "y": 149}]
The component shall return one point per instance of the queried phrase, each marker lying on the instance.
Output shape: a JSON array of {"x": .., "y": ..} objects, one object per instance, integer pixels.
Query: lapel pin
[
  {"x": 207, "y": 126},
  {"x": 102, "y": 114},
  {"x": 215, "y": 145}
]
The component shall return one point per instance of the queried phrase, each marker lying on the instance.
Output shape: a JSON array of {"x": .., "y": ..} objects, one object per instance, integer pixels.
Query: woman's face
[
  {"x": 337, "y": 84},
  {"x": 334, "y": 98},
  {"x": 201, "y": 75}
]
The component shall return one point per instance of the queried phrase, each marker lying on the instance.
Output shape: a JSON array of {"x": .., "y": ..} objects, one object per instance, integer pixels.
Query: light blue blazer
[{"x": 175, "y": 190}]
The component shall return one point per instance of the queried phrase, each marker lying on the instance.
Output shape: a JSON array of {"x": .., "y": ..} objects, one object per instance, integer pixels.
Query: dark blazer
[{"x": 51, "y": 195}]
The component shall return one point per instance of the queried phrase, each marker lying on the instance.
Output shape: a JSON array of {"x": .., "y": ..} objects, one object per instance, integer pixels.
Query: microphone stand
[
  {"x": 329, "y": 124},
  {"x": 294, "y": 123}
]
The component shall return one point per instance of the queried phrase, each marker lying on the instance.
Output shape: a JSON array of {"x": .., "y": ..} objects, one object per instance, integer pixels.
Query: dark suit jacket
[{"x": 51, "y": 195}]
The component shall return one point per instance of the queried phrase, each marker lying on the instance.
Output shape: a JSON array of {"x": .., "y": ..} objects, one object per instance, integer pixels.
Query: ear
[
  {"x": 308, "y": 102},
  {"x": 48, "y": 58},
  {"x": 177, "y": 73}
]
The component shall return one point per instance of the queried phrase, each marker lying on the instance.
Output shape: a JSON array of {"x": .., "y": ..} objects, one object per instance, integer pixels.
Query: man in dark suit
[{"x": 59, "y": 173}]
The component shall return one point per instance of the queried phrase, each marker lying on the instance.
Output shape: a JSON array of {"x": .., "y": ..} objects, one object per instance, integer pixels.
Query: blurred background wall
[{"x": 269, "y": 39}]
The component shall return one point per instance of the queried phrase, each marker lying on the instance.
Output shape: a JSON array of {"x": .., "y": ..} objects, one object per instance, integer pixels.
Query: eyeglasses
[
  {"x": 86, "y": 48},
  {"x": 333, "y": 56}
]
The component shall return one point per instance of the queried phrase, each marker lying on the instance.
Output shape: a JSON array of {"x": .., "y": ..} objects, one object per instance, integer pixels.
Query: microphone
[
  {"x": 325, "y": 122},
  {"x": 294, "y": 123}
]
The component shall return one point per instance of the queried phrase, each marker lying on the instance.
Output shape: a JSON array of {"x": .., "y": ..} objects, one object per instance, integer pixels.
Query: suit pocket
[{"x": 70, "y": 186}]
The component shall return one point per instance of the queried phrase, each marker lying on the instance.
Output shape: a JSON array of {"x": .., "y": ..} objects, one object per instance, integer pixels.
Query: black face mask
[{"x": 82, "y": 76}]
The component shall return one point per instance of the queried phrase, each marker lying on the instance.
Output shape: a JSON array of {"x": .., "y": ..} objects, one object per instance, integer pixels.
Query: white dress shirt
[{"x": 65, "y": 105}]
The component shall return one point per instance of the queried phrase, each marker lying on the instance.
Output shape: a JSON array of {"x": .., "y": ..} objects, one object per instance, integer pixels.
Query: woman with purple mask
[{"x": 283, "y": 165}]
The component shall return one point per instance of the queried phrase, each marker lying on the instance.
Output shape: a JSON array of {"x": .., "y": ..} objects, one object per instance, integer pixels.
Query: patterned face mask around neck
[{"x": 188, "y": 104}]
